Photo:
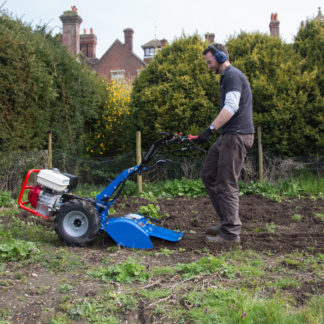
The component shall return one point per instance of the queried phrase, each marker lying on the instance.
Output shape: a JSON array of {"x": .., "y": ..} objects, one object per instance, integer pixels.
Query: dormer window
[{"x": 149, "y": 52}]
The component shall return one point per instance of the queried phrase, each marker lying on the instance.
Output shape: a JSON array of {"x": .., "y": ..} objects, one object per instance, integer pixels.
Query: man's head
[{"x": 216, "y": 56}]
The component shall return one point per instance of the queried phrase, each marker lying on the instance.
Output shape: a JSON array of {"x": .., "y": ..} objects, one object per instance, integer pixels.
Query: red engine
[
  {"x": 46, "y": 195},
  {"x": 33, "y": 195}
]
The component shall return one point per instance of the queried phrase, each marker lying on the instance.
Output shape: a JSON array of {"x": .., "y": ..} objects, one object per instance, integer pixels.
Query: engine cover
[{"x": 53, "y": 180}]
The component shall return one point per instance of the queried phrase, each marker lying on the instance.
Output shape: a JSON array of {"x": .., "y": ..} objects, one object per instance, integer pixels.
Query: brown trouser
[{"x": 220, "y": 175}]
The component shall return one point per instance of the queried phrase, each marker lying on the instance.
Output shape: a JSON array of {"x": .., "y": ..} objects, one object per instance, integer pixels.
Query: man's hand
[{"x": 203, "y": 137}]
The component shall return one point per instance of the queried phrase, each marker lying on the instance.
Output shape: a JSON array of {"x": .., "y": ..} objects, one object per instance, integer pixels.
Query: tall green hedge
[
  {"x": 43, "y": 88},
  {"x": 283, "y": 93},
  {"x": 175, "y": 93}
]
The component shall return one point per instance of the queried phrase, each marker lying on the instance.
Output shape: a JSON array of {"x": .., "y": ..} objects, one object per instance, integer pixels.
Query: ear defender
[{"x": 219, "y": 55}]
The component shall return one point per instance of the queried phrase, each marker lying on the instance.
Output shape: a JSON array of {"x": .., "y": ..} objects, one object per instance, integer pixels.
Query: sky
[{"x": 167, "y": 19}]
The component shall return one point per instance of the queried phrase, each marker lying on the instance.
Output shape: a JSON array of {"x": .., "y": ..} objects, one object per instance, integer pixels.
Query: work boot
[
  {"x": 219, "y": 239},
  {"x": 214, "y": 230}
]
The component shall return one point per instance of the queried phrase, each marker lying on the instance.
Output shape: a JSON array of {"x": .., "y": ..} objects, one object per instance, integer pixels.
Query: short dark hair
[{"x": 220, "y": 47}]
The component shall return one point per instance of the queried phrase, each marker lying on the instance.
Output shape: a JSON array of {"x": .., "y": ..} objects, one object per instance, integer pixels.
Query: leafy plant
[
  {"x": 152, "y": 211},
  {"x": 165, "y": 251},
  {"x": 208, "y": 264},
  {"x": 6, "y": 199},
  {"x": 65, "y": 288},
  {"x": 319, "y": 215},
  {"x": 270, "y": 227},
  {"x": 257, "y": 188},
  {"x": 128, "y": 271},
  {"x": 149, "y": 196},
  {"x": 14, "y": 250},
  {"x": 296, "y": 217}
]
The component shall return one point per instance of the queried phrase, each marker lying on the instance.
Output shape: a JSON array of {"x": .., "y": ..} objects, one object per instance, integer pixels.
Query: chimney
[
  {"x": 88, "y": 44},
  {"x": 210, "y": 37},
  {"x": 163, "y": 42},
  {"x": 71, "y": 30},
  {"x": 274, "y": 25},
  {"x": 128, "y": 32}
]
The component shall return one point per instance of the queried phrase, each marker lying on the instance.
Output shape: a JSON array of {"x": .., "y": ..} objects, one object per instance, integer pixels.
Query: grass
[
  {"x": 234, "y": 287},
  {"x": 122, "y": 285}
]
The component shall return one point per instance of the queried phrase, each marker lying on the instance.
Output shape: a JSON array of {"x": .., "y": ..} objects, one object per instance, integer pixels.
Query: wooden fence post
[
  {"x": 50, "y": 152},
  {"x": 139, "y": 160},
  {"x": 260, "y": 154}
]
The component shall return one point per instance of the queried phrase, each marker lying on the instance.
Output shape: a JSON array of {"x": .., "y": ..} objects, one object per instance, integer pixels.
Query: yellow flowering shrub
[{"x": 108, "y": 128}]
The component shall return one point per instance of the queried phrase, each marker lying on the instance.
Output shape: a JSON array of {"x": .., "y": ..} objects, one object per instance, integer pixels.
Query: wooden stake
[
  {"x": 260, "y": 153},
  {"x": 50, "y": 152},
  {"x": 139, "y": 160}
]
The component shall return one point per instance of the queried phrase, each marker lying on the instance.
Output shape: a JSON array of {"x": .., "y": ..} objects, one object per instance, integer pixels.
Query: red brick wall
[{"x": 118, "y": 57}]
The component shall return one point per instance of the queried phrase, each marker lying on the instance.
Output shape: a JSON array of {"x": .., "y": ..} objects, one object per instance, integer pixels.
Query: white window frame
[
  {"x": 117, "y": 75},
  {"x": 149, "y": 52}
]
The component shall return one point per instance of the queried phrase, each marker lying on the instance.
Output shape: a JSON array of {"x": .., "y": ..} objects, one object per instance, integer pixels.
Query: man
[{"x": 225, "y": 158}]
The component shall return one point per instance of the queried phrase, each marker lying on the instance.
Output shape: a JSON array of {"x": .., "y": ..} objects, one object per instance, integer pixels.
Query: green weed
[
  {"x": 306, "y": 183},
  {"x": 59, "y": 260},
  {"x": 14, "y": 250},
  {"x": 5, "y": 199},
  {"x": 206, "y": 265},
  {"x": 165, "y": 251},
  {"x": 257, "y": 188},
  {"x": 221, "y": 305},
  {"x": 319, "y": 215},
  {"x": 59, "y": 319},
  {"x": 148, "y": 196},
  {"x": 296, "y": 218},
  {"x": 270, "y": 227},
  {"x": 152, "y": 211},
  {"x": 30, "y": 231},
  {"x": 128, "y": 271},
  {"x": 154, "y": 294},
  {"x": 158, "y": 271},
  {"x": 65, "y": 288}
]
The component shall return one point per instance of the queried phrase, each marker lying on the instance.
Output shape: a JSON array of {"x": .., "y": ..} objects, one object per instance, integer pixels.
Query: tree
[
  {"x": 175, "y": 92},
  {"x": 281, "y": 89},
  {"x": 105, "y": 135},
  {"x": 309, "y": 43},
  {"x": 43, "y": 88}
]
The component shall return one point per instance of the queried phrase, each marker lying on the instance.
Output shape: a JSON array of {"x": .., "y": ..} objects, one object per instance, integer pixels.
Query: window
[
  {"x": 149, "y": 52},
  {"x": 117, "y": 74}
]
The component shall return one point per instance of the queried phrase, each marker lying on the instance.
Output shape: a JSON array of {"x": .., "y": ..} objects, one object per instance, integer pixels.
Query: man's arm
[
  {"x": 222, "y": 118},
  {"x": 231, "y": 105}
]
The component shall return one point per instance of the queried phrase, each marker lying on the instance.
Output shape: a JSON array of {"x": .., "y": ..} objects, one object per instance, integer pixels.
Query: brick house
[
  {"x": 152, "y": 47},
  {"x": 118, "y": 62}
]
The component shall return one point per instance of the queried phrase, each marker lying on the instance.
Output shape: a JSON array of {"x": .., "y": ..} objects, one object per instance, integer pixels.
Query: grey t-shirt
[{"x": 241, "y": 122}]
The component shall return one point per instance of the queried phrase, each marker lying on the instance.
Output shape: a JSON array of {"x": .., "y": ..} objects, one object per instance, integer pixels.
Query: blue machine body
[
  {"x": 131, "y": 230},
  {"x": 134, "y": 231}
]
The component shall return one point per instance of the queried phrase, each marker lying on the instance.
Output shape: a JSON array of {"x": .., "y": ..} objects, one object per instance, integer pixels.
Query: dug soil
[
  {"x": 286, "y": 226},
  {"x": 294, "y": 224}
]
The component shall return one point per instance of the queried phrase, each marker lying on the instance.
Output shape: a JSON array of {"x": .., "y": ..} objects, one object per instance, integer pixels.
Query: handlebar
[{"x": 168, "y": 139}]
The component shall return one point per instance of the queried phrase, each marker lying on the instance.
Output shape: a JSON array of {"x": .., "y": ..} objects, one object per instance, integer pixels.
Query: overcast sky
[{"x": 167, "y": 19}]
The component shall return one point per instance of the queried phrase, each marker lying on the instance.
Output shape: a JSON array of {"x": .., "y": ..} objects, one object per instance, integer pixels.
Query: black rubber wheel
[{"x": 77, "y": 222}]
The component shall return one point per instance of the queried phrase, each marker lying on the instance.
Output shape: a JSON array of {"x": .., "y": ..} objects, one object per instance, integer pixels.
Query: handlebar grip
[{"x": 192, "y": 137}]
